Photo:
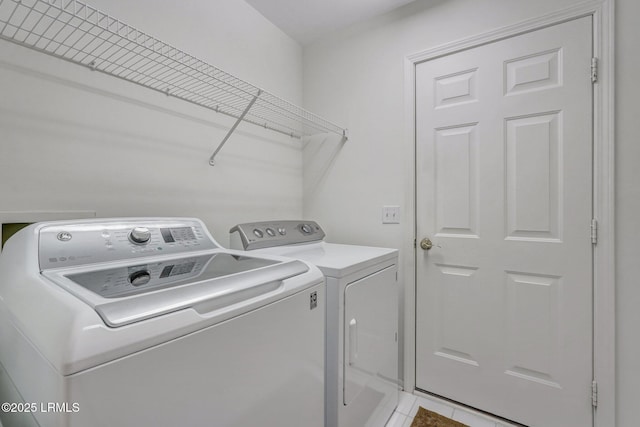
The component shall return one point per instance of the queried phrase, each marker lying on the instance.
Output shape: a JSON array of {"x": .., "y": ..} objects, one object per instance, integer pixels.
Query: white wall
[
  {"x": 627, "y": 212},
  {"x": 73, "y": 139},
  {"x": 356, "y": 78}
]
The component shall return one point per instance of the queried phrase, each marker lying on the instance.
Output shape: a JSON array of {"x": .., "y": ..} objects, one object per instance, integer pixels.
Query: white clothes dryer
[
  {"x": 362, "y": 386},
  {"x": 149, "y": 322}
]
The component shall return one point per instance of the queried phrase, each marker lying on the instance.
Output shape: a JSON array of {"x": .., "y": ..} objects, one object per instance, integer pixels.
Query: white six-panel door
[{"x": 504, "y": 192}]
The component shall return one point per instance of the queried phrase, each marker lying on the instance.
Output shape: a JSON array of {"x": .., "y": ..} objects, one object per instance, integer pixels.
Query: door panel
[
  {"x": 533, "y": 149},
  {"x": 504, "y": 191}
]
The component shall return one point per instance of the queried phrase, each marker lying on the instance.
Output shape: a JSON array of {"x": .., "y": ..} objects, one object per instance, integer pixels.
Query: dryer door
[{"x": 370, "y": 340}]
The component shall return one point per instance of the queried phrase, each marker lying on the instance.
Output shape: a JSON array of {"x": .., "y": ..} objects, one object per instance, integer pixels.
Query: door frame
[{"x": 602, "y": 12}]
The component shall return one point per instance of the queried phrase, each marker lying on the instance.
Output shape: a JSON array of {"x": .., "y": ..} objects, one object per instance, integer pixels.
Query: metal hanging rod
[{"x": 79, "y": 33}]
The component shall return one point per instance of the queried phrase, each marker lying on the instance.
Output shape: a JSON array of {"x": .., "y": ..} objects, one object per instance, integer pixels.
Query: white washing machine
[
  {"x": 362, "y": 387},
  {"x": 149, "y": 322}
]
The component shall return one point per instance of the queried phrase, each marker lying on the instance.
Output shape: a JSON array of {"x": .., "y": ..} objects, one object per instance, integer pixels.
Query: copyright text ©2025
[{"x": 41, "y": 407}]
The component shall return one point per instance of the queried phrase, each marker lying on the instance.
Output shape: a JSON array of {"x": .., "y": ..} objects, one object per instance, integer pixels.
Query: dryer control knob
[{"x": 140, "y": 235}]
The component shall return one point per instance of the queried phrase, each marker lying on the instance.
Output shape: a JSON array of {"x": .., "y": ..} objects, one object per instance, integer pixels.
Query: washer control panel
[
  {"x": 140, "y": 235},
  {"x": 69, "y": 244},
  {"x": 267, "y": 234}
]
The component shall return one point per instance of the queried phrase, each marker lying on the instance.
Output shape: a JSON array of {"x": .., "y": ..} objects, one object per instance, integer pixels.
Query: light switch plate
[{"x": 391, "y": 214}]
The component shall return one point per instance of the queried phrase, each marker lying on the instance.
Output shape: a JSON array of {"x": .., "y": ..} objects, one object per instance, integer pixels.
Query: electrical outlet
[{"x": 391, "y": 214}]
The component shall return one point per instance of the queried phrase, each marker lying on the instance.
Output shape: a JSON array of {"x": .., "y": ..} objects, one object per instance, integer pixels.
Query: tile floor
[{"x": 409, "y": 403}]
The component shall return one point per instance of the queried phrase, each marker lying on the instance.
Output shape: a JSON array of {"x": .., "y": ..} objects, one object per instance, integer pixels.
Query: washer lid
[
  {"x": 129, "y": 293},
  {"x": 152, "y": 275}
]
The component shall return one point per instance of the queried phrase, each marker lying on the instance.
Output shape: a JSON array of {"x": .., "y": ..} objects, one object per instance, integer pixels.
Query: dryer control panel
[
  {"x": 79, "y": 243},
  {"x": 267, "y": 234}
]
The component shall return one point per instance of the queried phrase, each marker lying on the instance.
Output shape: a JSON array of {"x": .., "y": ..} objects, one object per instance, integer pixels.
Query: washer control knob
[
  {"x": 270, "y": 232},
  {"x": 140, "y": 235},
  {"x": 139, "y": 278},
  {"x": 282, "y": 231},
  {"x": 258, "y": 233},
  {"x": 306, "y": 229}
]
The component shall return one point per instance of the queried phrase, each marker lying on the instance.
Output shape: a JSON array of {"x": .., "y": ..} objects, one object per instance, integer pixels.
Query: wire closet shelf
[{"x": 80, "y": 33}]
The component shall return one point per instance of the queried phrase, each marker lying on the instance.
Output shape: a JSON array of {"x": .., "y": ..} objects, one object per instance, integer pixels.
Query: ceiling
[{"x": 309, "y": 20}]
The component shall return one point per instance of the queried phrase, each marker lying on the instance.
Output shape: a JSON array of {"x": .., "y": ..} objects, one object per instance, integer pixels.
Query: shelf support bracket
[{"x": 233, "y": 128}]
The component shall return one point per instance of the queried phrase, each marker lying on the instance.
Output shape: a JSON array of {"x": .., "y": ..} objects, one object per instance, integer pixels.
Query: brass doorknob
[{"x": 426, "y": 244}]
